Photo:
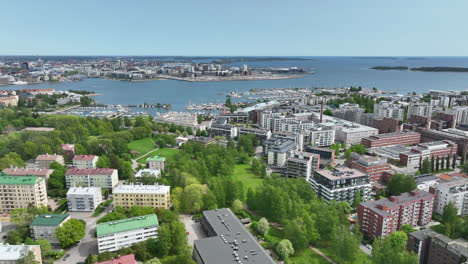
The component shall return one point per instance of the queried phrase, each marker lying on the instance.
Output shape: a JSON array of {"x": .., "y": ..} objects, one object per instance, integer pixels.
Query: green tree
[
  {"x": 21, "y": 217},
  {"x": 70, "y": 232},
  {"x": 164, "y": 241},
  {"x": 284, "y": 248},
  {"x": 27, "y": 257},
  {"x": 294, "y": 231},
  {"x": 357, "y": 199},
  {"x": 450, "y": 220},
  {"x": 407, "y": 229},
  {"x": 11, "y": 159},
  {"x": 426, "y": 166},
  {"x": 464, "y": 168},
  {"x": 392, "y": 249},
  {"x": 328, "y": 112},
  {"x": 263, "y": 226},
  {"x": 153, "y": 261},
  {"x": 103, "y": 162},
  {"x": 346, "y": 245},
  {"x": 358, "y": 148},
  {"x": 400, "y": 183}
]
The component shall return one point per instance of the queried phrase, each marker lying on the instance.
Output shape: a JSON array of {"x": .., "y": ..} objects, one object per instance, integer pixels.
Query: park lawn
[
  {"x": 168, "y": 153},
  {"x": 306, "y": 257},
  {"x": 143, "y": 145},
  {"x": 244, "y": 173},
  {"x": 361, "y": 257}
]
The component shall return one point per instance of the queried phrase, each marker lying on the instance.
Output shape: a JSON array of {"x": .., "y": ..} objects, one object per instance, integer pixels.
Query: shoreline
[{"x": 229, "y": 79}]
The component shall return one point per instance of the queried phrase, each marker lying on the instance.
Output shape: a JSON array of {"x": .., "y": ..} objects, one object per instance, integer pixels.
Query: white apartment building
[
  {"x": 104, "y": 178},
  {"x": 455, "y": 192},
  {"x": 11, "y": 254},
  {"x": 114, "y": 235},
  {"x": 321, "y": 137},
  {"x": 83, "y": 199},
  {"x": 85, "y": 161},
  {"x": 420, "y": 109},
  {"x": 302, "y": 164},
  {"x": 352, "y": 134},
  {"x": 461, "y": 114},
  {"x": 389, "y": 109}
]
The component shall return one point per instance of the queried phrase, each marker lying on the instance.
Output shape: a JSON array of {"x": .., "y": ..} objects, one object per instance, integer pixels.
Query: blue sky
[{"x": 236, "y": 28}]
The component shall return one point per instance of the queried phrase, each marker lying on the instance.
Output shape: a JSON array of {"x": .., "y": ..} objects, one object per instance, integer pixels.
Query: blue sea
[{"x": 329, "y": 72}]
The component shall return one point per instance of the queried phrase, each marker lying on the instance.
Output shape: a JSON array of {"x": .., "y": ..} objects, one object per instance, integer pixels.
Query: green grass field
[
  {"x": 143, "y": 145},
  {"x": 243, "y": 173},
  {"x": 168, "y": 153},
  {"x": 307, "y": 257}
]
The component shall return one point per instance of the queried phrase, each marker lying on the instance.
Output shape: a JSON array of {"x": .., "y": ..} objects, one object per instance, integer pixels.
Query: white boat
[{"x": 19, "y": 83}]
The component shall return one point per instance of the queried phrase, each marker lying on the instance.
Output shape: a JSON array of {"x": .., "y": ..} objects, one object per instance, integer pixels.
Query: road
[
  {"x": 88, "y": 244},
  {"x": 365, "y": 250},
  {"x": 195, "y": 229}
]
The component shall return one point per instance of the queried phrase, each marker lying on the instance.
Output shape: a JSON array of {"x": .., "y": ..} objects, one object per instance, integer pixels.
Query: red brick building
[
  {"x": 385, "y": 216},
  {"x": 387, "y": 125},
  {"x": 442, "y": 149},
  {"x": 392, "y": 139},
  {"x": 373, "y": 166}
]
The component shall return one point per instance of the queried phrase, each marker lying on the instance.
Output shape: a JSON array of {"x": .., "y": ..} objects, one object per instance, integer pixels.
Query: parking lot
[{"x": 194, "y": 229}]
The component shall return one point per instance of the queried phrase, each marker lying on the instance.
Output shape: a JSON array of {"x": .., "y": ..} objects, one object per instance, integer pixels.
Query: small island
[{"x": 423, "y": 69}]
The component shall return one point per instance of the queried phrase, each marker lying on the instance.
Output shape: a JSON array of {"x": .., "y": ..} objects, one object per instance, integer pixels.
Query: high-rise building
[
  {"x": 21, "y": 192},
  {"x": 389, "y": 109},
  {"x": 385, "y": 216},
  {"x": 455, "y": 192},
  {"x": 302, "y": 164},
  {"x": 420, "y": 109}
]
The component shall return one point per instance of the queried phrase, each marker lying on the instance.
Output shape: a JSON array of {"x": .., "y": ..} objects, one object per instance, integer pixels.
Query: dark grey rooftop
[
  {"x": 400, "y": 200},
  {"x": 233, "y": 243}
]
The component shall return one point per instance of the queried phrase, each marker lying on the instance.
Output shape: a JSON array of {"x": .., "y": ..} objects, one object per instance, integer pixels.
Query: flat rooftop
[
  {"x": 49, "y": 219},
  {"x": 84, "y": 190},
  {"x": 13, "y": 252},
  {"x": 340, "y": 173},
  {"x": 128, "y": 224},
  {"x": 233, "y": 242},
  {"x": 396, "y": 200},
  {"x": 140, "y": 188}
]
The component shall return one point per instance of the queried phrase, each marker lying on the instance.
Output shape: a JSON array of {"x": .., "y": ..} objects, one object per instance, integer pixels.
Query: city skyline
[{"x": 261, "y": 28}]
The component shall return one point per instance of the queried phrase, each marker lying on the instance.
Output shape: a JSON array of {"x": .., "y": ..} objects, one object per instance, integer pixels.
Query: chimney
[{"x": 321, "y": 112}]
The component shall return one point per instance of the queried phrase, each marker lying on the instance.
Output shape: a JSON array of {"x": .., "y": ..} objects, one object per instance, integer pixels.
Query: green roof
[
  {"x": 19, "y": 180},
  {"x": 49, "y": 219},
  {"x": 156, "y": 158},
  {"x": 123, "y": 225}
]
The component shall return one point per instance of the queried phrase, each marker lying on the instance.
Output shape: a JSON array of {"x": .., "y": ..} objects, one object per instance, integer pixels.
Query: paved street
[
  {"x": 195, "y": 229},
  {"x": 365, "y": 249},
  {"x": 88, "y": 244}
]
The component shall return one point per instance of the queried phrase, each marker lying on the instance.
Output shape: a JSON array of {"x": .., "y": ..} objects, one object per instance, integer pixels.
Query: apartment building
[
  {"x": 11, "y": 254},
  {"x": 389, "y": 109},
  {"x": 428, "y": 150},
  {"x": 340, "y": 185},
  {"x": 44, "y": 161},
  {"x": 155, "y": 162},
  {"x": 85, "y": 161},
  {"x": 155, "y": 196},
  {"x": 461, "y": 114},
  {"x": 104, "y": 178},
  {"x": 435, "y": 248},
  {"x": 372, "y": 166},
  {"x": 83, "y": 199},
  {"x": 279, "y": 151},
  {"x": 385, "y": 216},
  {"x": 42, "y": 173},
  {"x": 391, "y": 139},
  {"x": 227, "y": 131},
  {"x": 320, "y": 137},
  {"x": 302, "y": 164},
  {"x": 453, "y": 191},
  {"x": 420, "y": 109},
  {"x": 261, "y": 134},
  {"x": 114, "y": 235},
  {"x": 20, "y": 192},
  {"x": 125, "y": 259},
  {"x": 44, "y": 226}
]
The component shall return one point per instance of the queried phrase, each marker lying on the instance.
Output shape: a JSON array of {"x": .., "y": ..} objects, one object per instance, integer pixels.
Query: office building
[
  {"x": 83, "y": 199},
  {"x": 302, "y": 164},
  {"x": 155, "y": 162},
  {"x": 155, "y": 196},
  {"x": 391, "y": 139},
  {"x": 44, "y": 161},
  {"x": 372, "y": 166},
  {"x": 340, "y": 185},
  {"x": 435, "y": 248},
  {"x": 11, "y": 254},
  {"x": 44, "y": 226},
  {"x": 104, "y": 178},
  {"x": 85, "y": 161},
  {"x": 385, "y": 216},
  {"x": 114, "y": 235},
  {"x": 21, "y": 192},
  {"x": 455, "y": 192},
  {"x": 227, "y": 241}
]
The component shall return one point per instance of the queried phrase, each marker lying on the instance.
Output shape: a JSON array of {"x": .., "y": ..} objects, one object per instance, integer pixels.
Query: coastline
[{"x": 234, "y": 78}]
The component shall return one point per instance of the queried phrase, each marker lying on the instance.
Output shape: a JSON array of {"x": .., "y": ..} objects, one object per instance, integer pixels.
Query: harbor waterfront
[{"x": 329, "y": 72}]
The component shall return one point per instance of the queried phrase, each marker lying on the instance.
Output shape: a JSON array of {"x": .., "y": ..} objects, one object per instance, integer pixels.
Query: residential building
[
  {"x": 389, "y": 109},
  {"x": 114, "y": 235},
  {"x": 391, "y": 139},
  {"x": 435, "y": 149},
  {"x": 385, "y": 216},
  {"x": 11, "y": 254},
  {"x": 435, "y": 248},
  {"x": 279, "y": 152},
  {"x": 353, "y": 134},
  {"x": 461, "y": 114},
  {"x": 341, "y": 184},
  {"x": 424, "y": 182},
  {"x": 9, "y": 101},
  {"x": 320, "y": 137},
  {"x": 420, "y": 109},
  {"x": 84, "y": 199},
  {"x": 69, "y": 150},
  {"x": 42, "y": 173},
  {"x": 155, "y": 162},
  {"x": 155, "y": 196},
  {"x": 85, "y": 161},
  {"x": 44, "y": 161},
  {"x": 302, "y": 164},
  {"x": 386, "y": 124},
  {"x": 21, "y": 192},
  {"x": 125, "y": 259},
  {"x": 372, "y": 166},
  {"x": 227, "y": 131},
  {"x": 350, "y": 112},
  {"x": 455, "y": 192},
  {"x": 227, "y": 241},
  {"x": 261, "y": 134},
  {"x": 104, "y": 178},
  {"x": 458, "y": 136},
  {"x": 204, "y": 141},
  {"x": 43, "y": 226},
  {"x": 327, "y": 156}
]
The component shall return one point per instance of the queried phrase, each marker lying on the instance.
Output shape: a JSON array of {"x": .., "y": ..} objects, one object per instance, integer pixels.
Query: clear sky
[{"x": 235, "y": 28}]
